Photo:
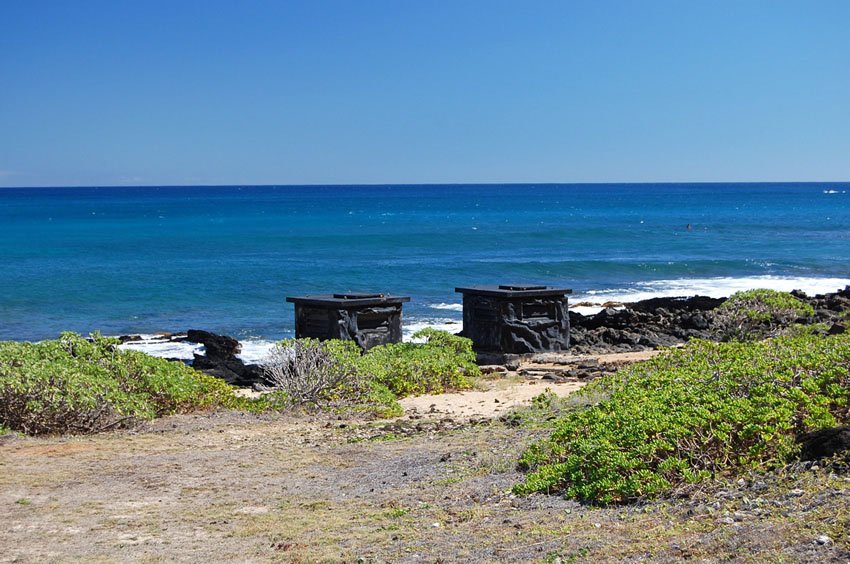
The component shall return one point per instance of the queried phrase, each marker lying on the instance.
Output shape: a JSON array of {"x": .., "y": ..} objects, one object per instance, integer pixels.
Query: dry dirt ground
[{"x": 430, "y": 487}]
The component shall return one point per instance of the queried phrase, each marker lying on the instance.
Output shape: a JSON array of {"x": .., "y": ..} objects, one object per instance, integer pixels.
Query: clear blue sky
[{"x": 367, "y": 91}]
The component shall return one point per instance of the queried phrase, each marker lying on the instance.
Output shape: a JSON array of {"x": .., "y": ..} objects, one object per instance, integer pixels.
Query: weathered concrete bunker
[
  {"x": 367, "y": 319},
  {"x": 516, "y": 319}
]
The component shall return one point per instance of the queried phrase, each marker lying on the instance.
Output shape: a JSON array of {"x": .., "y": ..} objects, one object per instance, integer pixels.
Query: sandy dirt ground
[
  {"x": 233, "y": 487},
  {"x": 501, "y": 394},
  {"x": 499, "y": 398}
]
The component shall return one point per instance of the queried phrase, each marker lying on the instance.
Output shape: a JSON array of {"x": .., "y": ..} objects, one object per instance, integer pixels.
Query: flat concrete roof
[
  {"x": 516, "y": 291},
  {"x": 348, "y": 300}
]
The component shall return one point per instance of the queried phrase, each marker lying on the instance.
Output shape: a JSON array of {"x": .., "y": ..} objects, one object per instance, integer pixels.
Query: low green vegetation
[
  {"x": 78, "y": 385},
  {"x": 443, "y": 362},
  {"x": 336, "y": 374},
  {"x": 706, "y": 410},
  {"x": 756, "y": 314}
]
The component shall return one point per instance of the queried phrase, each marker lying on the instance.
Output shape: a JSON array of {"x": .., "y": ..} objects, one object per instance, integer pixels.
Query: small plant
[
  {"x": 545, "y": 409},
  {"x": 757, "y": 314}
]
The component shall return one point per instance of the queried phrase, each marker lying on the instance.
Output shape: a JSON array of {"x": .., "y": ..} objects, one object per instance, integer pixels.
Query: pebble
[
  {"x": 726, "y": 521},
  {"x": 823, "y": 540}
]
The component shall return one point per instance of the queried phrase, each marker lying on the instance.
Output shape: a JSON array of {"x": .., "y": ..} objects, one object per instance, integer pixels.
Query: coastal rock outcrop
[
  {"x": 665, "y": 322},
  {"x": 648, "y": 324},
  {"x": 220, "y": 360}
]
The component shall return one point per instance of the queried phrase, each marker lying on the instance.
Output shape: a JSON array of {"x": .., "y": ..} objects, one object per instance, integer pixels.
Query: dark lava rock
[
  {"x": 694, "y": 321},
  {"x": 648, "y": 324},
  {"x": 824, "y": 443},
  {"x": 665, "y": 322},
  {"x": 129, "y": 339},
  {"x": 217, "y": 346},
  {"x": 693, "y": 303},
  {"x": 837, "y": 329},
  {"x": 220, "y": 359}
]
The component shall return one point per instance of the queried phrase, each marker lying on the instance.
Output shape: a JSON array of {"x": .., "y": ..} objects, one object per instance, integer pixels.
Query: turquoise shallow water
[{"x": 141, "y": 260}]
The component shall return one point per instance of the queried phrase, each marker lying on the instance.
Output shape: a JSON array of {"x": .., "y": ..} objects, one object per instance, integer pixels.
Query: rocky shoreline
[
  {"x": 645, "y": 325},
  {"x": 664, "y": 322},
  {"x": 219, "y": 358}
]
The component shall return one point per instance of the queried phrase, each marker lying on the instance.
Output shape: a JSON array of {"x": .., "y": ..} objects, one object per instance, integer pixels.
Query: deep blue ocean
[{"x": 148, "y": 259}]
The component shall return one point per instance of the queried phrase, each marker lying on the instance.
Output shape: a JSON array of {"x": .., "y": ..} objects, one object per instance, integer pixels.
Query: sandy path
[
  {"x": 502, "y": 394},
  {"x": 486, "y": 403}
]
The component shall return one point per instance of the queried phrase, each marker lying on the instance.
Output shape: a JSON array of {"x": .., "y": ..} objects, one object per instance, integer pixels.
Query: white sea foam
[
  {"x": 587, "y": 310},
  {"x": 713, "y": 287},
  {"x": 255, "y": 351},
  {"x": 452, "y": 307},
  {"x": 444, "y": 324},
  {"x": 157, "y": 345}
]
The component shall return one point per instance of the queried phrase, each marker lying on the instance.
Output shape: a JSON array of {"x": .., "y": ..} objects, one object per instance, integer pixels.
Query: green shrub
[
  {"x": 335, "y": 374},
  {"x": 443, "y": 362},
  {"x": 756, "y": 314},
  {"x": 77, "y": 385},
  {"x": 705, "y": 410},
  {"x": 375, "y": 399}
]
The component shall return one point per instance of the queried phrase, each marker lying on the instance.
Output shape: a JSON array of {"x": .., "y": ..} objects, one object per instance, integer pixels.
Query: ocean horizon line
[{"x": 666, "y": 183}]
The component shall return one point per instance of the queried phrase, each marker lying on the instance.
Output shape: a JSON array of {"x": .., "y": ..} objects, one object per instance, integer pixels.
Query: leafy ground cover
[
  {"x": 78, "y": 385},
  {"x": 704, "y": 411},
  {"x": 335, "y": 373}
]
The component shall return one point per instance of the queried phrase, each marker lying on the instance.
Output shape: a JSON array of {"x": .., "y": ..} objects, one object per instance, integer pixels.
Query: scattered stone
[
  {"x": 823, "y": 540},
  {"x": 493, "y": 369},
  {"x": 836, "y": 329},
  {"x": 741, "y": 516},
  {"x": 553, "y": 377},
  {"x": 726, "y": 521}
]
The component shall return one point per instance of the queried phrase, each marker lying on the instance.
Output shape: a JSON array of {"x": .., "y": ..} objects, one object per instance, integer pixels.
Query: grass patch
[{"x": 706, "y": 410}]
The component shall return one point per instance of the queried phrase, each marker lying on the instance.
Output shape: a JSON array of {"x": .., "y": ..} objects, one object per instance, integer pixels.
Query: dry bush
[{"x": 306, "y": 370}]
